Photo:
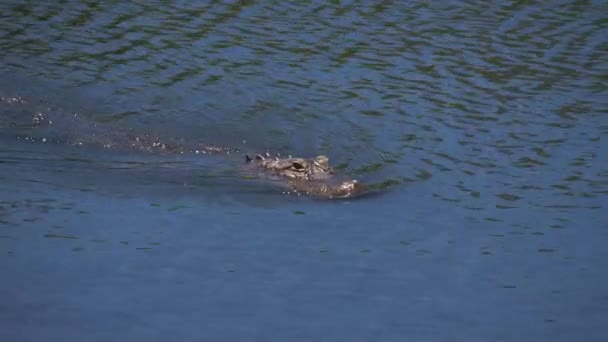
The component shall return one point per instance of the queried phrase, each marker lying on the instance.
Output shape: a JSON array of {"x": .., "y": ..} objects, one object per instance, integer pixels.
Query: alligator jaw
[{"x": 345, "y": 189}]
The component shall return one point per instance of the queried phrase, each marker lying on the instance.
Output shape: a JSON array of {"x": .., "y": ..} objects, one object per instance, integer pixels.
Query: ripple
[{"x": 478, "y": 90}]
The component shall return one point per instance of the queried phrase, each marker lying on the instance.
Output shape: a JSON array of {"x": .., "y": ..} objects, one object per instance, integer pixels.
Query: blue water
[{"x": 484, "y": 124}]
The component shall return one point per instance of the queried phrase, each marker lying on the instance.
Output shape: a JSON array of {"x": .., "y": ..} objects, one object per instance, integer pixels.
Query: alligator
[
  {"x": 308, "y": 176},
  {"x": 301, "y": 176}
]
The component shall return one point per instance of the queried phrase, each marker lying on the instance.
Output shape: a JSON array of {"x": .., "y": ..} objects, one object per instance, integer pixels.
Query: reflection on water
[{"x": 484, "y": 120}]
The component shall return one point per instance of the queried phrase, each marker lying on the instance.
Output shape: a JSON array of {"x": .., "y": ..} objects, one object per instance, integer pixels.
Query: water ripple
[{"x": 456, "y": 91}]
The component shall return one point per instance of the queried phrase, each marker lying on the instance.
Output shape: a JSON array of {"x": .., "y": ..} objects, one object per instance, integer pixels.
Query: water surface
[{"x": 485, "y": 122}]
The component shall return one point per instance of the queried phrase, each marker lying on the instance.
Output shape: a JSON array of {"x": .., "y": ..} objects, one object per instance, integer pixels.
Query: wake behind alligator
[{"x": 300, "y": 176}]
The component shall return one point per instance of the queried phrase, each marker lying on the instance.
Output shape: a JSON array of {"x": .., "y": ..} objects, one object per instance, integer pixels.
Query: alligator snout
[{"x": 344, "y": 189}]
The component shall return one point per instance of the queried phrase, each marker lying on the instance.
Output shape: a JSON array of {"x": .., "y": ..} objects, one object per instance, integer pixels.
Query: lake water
[{"x": 485, "y": 124}]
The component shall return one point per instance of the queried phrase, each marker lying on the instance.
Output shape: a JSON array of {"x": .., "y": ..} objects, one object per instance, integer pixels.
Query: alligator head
[{"x": 308, "y": 176}]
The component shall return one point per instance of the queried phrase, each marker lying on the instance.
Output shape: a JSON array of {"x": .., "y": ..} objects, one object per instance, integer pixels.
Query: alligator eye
[{"x": 297, "y": 166}]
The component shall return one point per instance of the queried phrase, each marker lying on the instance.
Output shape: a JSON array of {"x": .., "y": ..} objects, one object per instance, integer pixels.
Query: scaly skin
[{"x": 311, "y": 176}]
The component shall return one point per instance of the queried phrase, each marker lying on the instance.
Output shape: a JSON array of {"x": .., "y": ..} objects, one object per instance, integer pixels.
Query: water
[{"x": 484, "y": 122}]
